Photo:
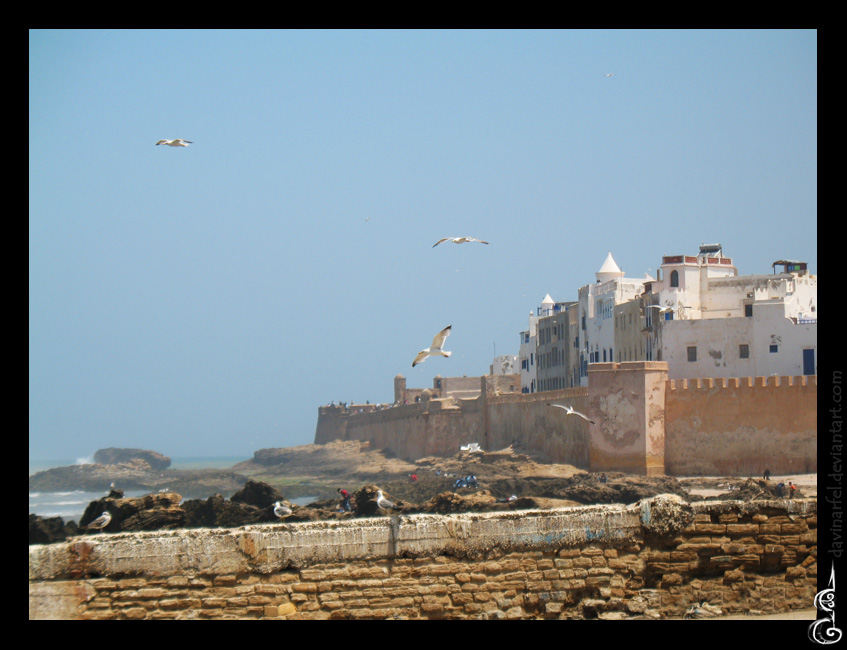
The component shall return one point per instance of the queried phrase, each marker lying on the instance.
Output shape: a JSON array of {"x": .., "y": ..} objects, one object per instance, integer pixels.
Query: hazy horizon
[{"x": 211, "y": 298}]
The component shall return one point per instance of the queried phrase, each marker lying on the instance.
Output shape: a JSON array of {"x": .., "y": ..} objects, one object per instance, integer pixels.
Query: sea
[{"x": 71, "y": 505}]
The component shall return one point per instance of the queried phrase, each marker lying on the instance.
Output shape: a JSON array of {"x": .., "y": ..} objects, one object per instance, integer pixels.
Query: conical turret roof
[{"x": 609, "y": 270}]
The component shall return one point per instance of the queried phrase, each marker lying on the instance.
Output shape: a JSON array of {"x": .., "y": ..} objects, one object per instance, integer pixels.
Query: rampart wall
[
  {"x": 652, "y": 559},
  {"x": 739, "y": 427},
  {"x": 643, "y": 423}
]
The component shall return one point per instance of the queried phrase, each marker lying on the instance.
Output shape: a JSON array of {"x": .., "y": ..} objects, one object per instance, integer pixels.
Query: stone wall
[
  {"x": 644, "y": 424},
  {"x": 649, "y": 560},
  {"x": 740, "y": 427}
]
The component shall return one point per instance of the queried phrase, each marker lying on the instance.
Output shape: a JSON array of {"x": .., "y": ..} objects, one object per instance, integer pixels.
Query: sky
[{"x": 205, "y": 301}]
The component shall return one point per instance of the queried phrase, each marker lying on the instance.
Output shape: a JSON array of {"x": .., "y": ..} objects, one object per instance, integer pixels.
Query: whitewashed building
[
  {"x": 724, "y": 325},
  {"x": 597, "y": 304}
]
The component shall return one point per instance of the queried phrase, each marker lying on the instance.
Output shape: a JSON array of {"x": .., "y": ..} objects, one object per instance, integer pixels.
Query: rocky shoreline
[{"x": 504, "y": 480}]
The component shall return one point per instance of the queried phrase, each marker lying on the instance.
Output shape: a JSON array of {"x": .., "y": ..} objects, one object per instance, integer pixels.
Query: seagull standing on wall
[
  {"x": 435, "y": 348},
  {"x": 178, "y": 142},
  {"x": 384, "y": 503},
  {"x": 570, "y": 411},
  {"x": 281, "y": 511},
  {"x": 458, "y": 240},
  {"x": 101, "y": 522}
]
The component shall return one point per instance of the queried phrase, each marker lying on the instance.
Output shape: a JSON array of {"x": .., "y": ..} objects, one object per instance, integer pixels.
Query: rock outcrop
[{"x": 116, "y": 455}]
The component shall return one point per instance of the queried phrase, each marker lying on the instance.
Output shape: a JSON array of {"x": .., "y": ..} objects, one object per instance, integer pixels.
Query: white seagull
[
  {"x": 101, "y": 522},
  {"x": 177, "y": 142},
  {"x": 458, "y": 240},
  {"x": 384, "y": 503},
  {"x": 281, "y": 510},
  {"x": 662, "y": 310},
  {"x": 611, "y": 74},
  {"x": 435, "y": 348},
  {"x": 570, "y": 411}
]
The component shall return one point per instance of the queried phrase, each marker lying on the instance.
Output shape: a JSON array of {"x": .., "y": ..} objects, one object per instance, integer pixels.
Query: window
[
  {"x": 674, "y": 278},
  {"x": 773, "y": 348},
  {"x": 743, "y": 351},
  {"x": 692, "y": 353},
  {"x": 748, "y": 310}
]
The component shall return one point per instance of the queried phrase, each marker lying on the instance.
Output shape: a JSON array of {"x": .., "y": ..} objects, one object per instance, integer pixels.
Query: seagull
[
  {"x": 458, "y": 240},
  {"x": 384, "y": 503},
  {"x": 435, "y": 348},
  {"x": 662, "y": 310},
  {"x": 570, "y": 411},
  {"x": 611, "y": 74},
  {"x": 178, "y": 142},
  {"x": 282, "y": 511},
  {"x": 101, "y": 522}
]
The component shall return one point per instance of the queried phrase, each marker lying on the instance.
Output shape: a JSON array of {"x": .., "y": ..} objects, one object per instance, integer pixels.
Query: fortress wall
[
  {"x": 524, "y": 419},
  {"x": 436, "y": 427},
  {"x": 740, "y": 427},
  {"x": 644, "y": 424},
  {"x": 652, "y": 559}
]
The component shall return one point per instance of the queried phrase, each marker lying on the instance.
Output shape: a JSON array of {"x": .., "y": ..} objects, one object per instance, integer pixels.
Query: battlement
[{"x": 801, "y": 381}]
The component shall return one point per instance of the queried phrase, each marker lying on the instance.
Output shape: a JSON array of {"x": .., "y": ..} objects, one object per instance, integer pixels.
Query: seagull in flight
[
  {"x": 458, "y": 240},
  {"x": 281, "y": 511},
  {"x": 662, "y": 310},
  {"x": 435, "y": 348},
  {"x": 570, "y": 411},
  {"x": 101, "y": 522},
  {"x": 611, "y": 74},
  {"x": 384, "y": 503},
  {"x": 178, "y": 142}
]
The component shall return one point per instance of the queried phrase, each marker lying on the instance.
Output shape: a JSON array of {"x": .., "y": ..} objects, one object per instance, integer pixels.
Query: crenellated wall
[
  {"x": 652, "y": 559},
  {"x": 740, "y": 427},
  {"x": 643, "y": 424}
]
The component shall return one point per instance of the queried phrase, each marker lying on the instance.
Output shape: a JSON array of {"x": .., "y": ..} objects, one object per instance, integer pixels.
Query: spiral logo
[{"x": 823, "y": 630}]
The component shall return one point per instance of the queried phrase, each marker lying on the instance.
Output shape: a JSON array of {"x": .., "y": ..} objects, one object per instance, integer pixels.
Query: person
[
  {"x": 603, "y": 477},
  {"x": 413, "y": 477},
  {"x": 780, "y": 489},
  {"x": 767, "y": 474},
  {"x": 345, "y": 500},
  {"x": 791, "y": 489}
]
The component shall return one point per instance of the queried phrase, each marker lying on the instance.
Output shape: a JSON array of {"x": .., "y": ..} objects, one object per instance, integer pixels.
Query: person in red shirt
[{"x": 345, "y": 500}]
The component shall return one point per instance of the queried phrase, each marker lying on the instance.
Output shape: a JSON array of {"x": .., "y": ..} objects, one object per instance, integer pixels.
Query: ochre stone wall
[
  {"x": 740, "y": 427},
  {"x": 650, "y": 560},
  {"x": 644, "y": 424}
]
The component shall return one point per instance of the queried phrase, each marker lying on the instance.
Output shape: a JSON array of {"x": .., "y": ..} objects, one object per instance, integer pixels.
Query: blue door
[{"x": 809, "y": 361}]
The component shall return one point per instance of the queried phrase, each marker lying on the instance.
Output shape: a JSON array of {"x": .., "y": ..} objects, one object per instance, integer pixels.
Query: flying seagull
[
  {"x": 611, "y": 74},
  {"x": 101, "y": 522},
  {"x": 435, "y": 348},
  {"x": 384, "y": 503},
  {"x": 281, "y": 511},
  {"x": 570, "y": 411},
  {"x": 178, "y": 142},
  {"x": 458, "y": 240},
  {"x": 662, "y": 310}
]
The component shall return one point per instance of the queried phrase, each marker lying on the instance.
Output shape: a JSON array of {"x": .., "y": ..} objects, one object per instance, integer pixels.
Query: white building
[
  {"x": 698, "y": 315},
  {"x": 724, "y": 325},
  {"x": 597, "y": 304},
  {"x": 529, "y": 343}
]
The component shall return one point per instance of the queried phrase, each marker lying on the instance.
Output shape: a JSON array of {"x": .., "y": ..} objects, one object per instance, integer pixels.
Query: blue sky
[{"x": 204, "y": 301}]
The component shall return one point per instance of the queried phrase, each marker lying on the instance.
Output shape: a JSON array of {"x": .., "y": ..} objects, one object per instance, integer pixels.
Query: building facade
[{"x": 698, "y": 315}]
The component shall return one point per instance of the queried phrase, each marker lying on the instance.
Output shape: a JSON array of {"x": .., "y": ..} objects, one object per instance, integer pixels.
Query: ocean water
[{"x": 70, "y": 506}]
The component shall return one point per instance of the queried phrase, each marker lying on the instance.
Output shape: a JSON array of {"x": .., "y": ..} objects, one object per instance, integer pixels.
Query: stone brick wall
[
  {"x": 645, "y": 424},
  {"x": 649, "y": 560}
]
